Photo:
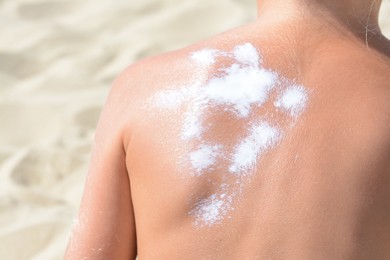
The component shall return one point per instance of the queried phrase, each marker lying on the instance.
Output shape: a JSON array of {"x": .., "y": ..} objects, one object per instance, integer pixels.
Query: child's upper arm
[{"x": 106, "y": 228}]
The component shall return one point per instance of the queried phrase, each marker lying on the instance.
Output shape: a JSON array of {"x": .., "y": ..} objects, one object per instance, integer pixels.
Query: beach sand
[{"x": 57, "y": 62}]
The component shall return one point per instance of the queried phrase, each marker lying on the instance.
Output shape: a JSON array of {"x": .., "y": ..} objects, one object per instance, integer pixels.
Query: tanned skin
[{"x": 323, "y": 193}]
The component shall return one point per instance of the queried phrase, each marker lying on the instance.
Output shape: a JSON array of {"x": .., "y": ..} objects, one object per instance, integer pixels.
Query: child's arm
[{"x": 105, "y": 227}]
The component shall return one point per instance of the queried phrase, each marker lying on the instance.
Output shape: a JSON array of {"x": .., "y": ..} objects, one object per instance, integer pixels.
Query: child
[{"x": 269, "y": 141}]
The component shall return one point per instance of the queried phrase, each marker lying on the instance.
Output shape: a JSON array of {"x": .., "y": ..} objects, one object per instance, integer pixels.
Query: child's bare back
[{"x": 250, "y": 145}]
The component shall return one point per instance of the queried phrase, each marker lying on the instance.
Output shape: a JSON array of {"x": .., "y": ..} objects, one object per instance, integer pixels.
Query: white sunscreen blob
[
  {"x": 193, "y": 123},
  {"x": 293, "y": 100},
  {"x": 205, "y": 57},
  {"x": 240, "y": 89},
  {"x": 204, "y": 158},
  {"x": 211, "y": 210},
  {"x": 261, "y": 138},
  {"x": 247, "y": 54},
  {"x": 174, "y": 98},
  {"x": 170, "y": 99}
]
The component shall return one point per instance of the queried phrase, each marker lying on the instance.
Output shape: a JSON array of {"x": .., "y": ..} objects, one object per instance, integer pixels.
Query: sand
[{"x": 57, "y": 62}]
